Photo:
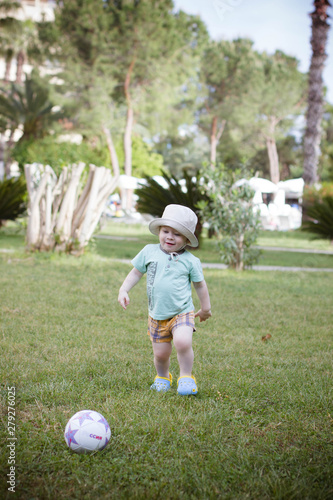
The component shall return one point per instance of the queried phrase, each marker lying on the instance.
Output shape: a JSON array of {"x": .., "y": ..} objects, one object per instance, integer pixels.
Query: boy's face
[{"x": 171, "y": 240}]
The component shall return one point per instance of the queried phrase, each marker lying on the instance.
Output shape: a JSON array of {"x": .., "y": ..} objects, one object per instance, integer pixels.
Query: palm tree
[
  {"x": 320, "y": 29},
  {"x": 28, "y": 106}
]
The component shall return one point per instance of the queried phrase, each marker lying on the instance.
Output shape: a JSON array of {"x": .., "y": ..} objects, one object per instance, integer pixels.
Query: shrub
[
  {"x": 47, "y": 151},
  {"x": 230, "y": 213},
  {"x": 13, "y": 194}
]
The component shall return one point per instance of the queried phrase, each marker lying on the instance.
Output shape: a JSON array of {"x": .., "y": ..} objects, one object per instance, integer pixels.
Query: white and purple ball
[{"x": 87, "y": 431}]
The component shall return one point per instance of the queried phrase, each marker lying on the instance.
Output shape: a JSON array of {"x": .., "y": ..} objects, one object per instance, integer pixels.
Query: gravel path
[{"x": 298, "y": 250}]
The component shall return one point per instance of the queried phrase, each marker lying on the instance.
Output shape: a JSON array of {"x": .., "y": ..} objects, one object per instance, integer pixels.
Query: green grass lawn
[
  {"x": 293, "y": 239},
  {"x": 261, "y": 426}
]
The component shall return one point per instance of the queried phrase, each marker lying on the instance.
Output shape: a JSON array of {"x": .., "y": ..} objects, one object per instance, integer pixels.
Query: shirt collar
[{"x": 172, "y": 255}]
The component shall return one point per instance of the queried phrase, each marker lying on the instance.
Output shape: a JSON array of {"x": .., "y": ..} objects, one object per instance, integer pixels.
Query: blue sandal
[
  {"x": 187, "y": 386},
  {"x": 162, "y": 384}
]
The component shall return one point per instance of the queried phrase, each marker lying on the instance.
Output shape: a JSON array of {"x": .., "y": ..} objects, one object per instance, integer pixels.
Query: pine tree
[
  {"x": 278, "y": 97},
  {"x": 226, "y": 73}
]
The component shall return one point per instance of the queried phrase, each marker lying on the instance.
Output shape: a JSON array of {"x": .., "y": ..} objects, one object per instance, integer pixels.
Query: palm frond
[
  {"x": 153, "y": 198},
  {"x": 321, "y": 215},
  {"x": 29, "y": 105},
  {"x": 12, "y": 198}
]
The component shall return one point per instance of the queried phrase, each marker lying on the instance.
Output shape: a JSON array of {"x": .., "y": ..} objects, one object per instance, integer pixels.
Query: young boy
[{"x": 170, "y": 270}]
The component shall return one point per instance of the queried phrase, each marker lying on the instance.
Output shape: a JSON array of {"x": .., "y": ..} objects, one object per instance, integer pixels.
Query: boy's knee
[
  {"x": 162, "y": 351},
  {"x": 162, "y": 356},
  {"x": 182, "y": 344},
  {"x": 182, "y": 339}
]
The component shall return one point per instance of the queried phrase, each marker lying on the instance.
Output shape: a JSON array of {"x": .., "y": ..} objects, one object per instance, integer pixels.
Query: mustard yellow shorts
[{"x": 161, "y": 330}]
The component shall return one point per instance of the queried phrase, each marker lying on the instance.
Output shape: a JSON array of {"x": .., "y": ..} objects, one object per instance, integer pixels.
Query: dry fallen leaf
[{"x": 266, "y": 337}]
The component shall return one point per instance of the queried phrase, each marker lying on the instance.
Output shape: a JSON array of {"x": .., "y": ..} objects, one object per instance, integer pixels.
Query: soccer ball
[{"x": 87, "y": 431}]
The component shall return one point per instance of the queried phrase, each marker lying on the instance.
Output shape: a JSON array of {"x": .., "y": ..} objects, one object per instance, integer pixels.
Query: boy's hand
[
  {"x": 131, "y": 280},
  {"x": 123, "y": 299},
  {"x": 203, "y": 315}
]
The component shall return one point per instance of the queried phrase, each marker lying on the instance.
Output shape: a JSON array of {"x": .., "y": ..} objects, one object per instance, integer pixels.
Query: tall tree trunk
[
  {"x": 272, "y": 150},
  {"x": 128, "y": 141},
  {"x": 112, "y": 151},
  {"x": 239, "y": 265},
  {"x": 8, "y": 68},
  {"x": 129, "y": 121},
  {"x": 19, "y": 70},
  {"x": 213, "y": 141},
  {"x": 215, "y": 136},
  {"x": 273, "y": 159},
  {"x": 2, "y": 158},
  {"x": 127, "y": 194},
  {"x": 320, "y": 29}
]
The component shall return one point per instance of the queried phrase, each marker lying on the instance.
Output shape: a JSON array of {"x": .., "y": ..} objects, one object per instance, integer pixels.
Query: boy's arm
[
  {"x": 203, "y": 295},
  {"x": 130, "y": 281}
]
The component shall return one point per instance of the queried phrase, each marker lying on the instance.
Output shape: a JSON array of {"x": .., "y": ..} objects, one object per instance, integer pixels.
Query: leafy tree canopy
[
  {"x": 113, "y": 51},
  {"x": 280, "y": 91}
]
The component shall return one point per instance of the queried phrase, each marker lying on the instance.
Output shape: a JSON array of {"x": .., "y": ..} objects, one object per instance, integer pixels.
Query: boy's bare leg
[
  {"x": 162, "y": 353},
  {"x": 182, "y": 339}
]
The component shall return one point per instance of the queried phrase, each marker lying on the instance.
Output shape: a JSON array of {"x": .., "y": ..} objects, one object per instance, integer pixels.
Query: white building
[{"x": 35, "y": 10}]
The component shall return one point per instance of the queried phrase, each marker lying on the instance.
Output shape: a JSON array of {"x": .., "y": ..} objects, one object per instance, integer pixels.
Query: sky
[{"x": 271, "y": 24}]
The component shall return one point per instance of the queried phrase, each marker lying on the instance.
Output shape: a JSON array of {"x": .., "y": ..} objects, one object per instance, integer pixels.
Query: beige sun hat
[{"x": 180, "y": 218}]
